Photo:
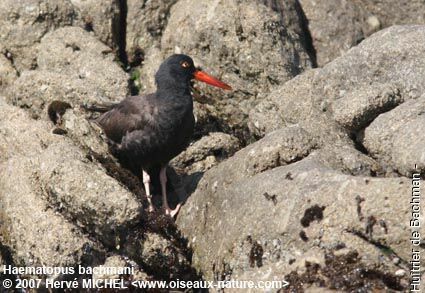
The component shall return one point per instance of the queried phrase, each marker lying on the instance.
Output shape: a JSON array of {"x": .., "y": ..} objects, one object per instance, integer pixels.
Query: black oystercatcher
[{"x": 148, "y": 131}]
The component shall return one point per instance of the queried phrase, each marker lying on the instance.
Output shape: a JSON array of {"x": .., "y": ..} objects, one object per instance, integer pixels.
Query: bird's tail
[{"x": 101, "y": 108}]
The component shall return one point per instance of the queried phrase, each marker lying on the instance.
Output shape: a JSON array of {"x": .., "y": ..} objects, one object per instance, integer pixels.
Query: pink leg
[
  {"x": 146, "y": 182},
  {"x": 163, "y": 179}
]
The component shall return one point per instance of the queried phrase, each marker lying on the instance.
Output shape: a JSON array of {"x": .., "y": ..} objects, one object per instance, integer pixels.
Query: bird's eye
[{"x": 185, "y": 64}]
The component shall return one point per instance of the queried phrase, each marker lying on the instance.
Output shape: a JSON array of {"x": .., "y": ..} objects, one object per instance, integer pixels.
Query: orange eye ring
[{"x": 185, "y": 64}]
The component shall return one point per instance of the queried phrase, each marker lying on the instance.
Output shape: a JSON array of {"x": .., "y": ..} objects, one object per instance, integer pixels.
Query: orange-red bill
[{"x": 202, "y": 76}]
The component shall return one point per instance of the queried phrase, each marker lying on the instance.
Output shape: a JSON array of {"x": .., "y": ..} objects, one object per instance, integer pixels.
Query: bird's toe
[
  {"x": 173, "y": 213},
  {"x": 151, "y": 209}
]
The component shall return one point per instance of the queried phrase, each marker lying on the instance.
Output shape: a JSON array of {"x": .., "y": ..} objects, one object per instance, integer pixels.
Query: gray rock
[
  {"x": 285, "y": 108},
  {"x": 200, "y": 156},
  {"x": 69, "y": 192},
  {"x": 103, "y": 18},
  {"x": 30, "y": 140},
  {"x": 7, "y": 72},
  {"x": 288, "y": 104},
  {"x": 147, "y": 72},
  {"x": 341, "y": 155},
  {"x": 120, "y": 263},
  {"x": 293, "y": 17},
  {"x": 85, "y": 193},
  {"x": 206, "y": 152},
  {"x": 35, "y": 90},
  {"x": 339, "y": 269},
  {"x": 278, "y": 148},
  {"x": 268, "y": 210},
  {"x": 65, "y": 177},
  {"x": 24, "y": 23},
  {"x": 77, "y": 53},
  {"x": 372, "y": 62},
  {"x": 241, "y": 44},
  {"x": 146, "y": 21},
  {"x": 65, "y": 49},
  {"x": 336, "y": 26},
  {"x": 280, "y": 214},
  {"x": 366, "y": 78},
  {"x": 35, "y": 233},
  {"x": 392, "y": 12},
  {"x": 74, "y": 68},
  {"x": 156, "y": 252},
  {"x": 85, "y": 133},
  {"x": 359, "y": 107},
  {"x": 396, "y": 138}
]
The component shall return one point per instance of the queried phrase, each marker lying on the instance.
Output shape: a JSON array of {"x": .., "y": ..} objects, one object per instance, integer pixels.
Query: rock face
[
  {"x": 81, "y": 199},
  {"x": 24, "y": 23},
  {"x": 79, "y": 195},
  {"x": 293, "y": 17},
  {"x": 74, "y": 67},
  {"x": 35, "y": 233},
  {"x": 84, "y": 132},
  {"x": 395, "y": 12},
  {"x": 22, "y": 223},
  {"x": 206, "y": 152},
  {"x": 63, "y": 177},
  {"x": 360, "y": 107},
  {"x": 277, "y": 215},
  {"x": 7, "y": 72},
  {"x": 156, "y": 252},
  {"x": 336, "y": 26},
  {"x": 146, "y": 21},
  {"x": 365, "y": 79},
  {"x": 30, "y": 140},
  {"x": 103, "y": 18},
  {"x": 396, "y": 140}
]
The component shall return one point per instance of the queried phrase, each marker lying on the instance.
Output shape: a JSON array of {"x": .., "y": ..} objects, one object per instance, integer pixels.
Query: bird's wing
[{"x": 133, "y": 113}]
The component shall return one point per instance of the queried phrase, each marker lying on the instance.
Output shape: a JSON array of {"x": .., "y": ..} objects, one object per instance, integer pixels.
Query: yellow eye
[{"x": 185, "y": 64}]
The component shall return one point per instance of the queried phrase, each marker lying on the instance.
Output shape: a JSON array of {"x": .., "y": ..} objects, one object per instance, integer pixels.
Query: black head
[{"x": 178, "y": 70}]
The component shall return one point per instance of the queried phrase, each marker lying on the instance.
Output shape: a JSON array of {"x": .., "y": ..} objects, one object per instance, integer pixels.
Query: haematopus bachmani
[{"x": 148, "y": 131}]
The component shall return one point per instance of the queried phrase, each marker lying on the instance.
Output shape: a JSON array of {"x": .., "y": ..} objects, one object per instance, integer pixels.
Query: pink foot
[
  {"x": 151, "y": 209},
  {"x": 172, "y": 213}
]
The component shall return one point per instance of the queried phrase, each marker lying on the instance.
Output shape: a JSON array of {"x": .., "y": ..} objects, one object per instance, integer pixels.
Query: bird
[{"x": 147, "y": 131}]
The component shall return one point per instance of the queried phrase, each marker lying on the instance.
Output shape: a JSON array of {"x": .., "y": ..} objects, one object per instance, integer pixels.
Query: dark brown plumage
[{"x": 148, "y": 131}]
